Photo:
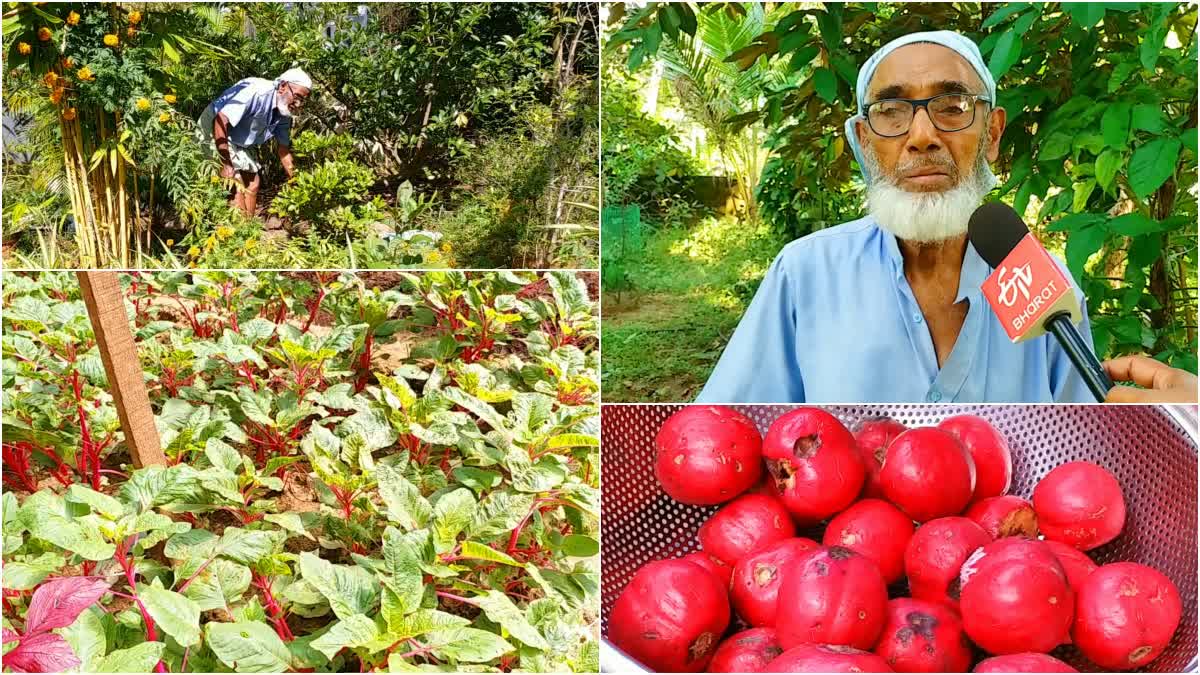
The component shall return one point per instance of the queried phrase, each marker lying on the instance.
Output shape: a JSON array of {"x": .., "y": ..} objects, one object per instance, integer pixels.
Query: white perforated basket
[{"x": 1151, "y": 450}]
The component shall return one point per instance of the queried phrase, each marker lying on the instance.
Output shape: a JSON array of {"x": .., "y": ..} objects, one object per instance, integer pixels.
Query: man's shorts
[{"x": 243, "y": 158}]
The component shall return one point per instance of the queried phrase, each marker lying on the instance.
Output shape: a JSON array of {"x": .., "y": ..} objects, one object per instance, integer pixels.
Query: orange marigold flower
[
  {"x": 50, "y": 78},
  {"x": 130, "y": 32},
  {"x": 111, "y": 40},
  {"x": 24, "y": 48},
  {"x": 73, "y": 18},
  {"x": 69, "y": 114},
  {"x": 68, "y": 63},
  {"x": 44, "y": 34},
  {"x": 56, "y": 96},
  {"x": 135, "y": 17}
]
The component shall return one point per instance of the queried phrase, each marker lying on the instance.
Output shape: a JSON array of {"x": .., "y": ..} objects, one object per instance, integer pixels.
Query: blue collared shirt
[
  {"x": 835, "y": 321},
  {"x": 253, "y": 117}
]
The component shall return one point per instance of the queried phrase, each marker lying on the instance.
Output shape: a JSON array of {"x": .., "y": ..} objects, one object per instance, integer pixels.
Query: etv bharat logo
[{"x": 1020, "y": 280}]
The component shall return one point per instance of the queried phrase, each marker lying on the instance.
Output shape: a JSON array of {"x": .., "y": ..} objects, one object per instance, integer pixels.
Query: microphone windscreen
[{"x": 994, "y": 230}]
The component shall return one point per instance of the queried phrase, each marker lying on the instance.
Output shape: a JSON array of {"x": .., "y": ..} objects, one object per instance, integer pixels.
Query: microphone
[{"x": 1027, "y": 290}]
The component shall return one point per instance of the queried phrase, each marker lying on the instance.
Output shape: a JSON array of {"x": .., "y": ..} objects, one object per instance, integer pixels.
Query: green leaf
[
  {"x": 422, "y": 621},
  {"x": 572, "y": 441},
  {"x": 1121, "y": 72},
  {"x": 1152, "y": 41},
  {"x": 1148, "y": 117},
  {"x": 86, "y": 636},
  {"x": 1107, "y": 165},
  {"x": 351, "y": 631},
  {"x": 248, "y": 546},
  {"x": 1003, "y": 12},
  {"x": 1114, "y": 125},
  {"x": 402, "y": 500},
  {"x": 1083, "y": 191},
  {"x": 826, "y": 84},
  {"x": 350, "y": 590},
  {"x": 469, "y": 645},
  {"x": 580, "y": 546},
  {"x": 248, "y": 647},
  {"x": 1056, "y": 146},
  {"x": 476, "y": 551},
  {"x": 1006, "y": 54},
  {"x": 479, "y": 480},
  {"x": 217, "y": 586},
  {"x": 1152, "y": 164},
  {"x": 137, "y": 659},
  {"x": 1081, "y": 244},
  {"x": 500, "y": 608},
  {"x": 1133, "y": 225},
  {"x": 404, "y": 555},
  {"x": 175, "y": 614},
  {"x": 451, "y": 515}
]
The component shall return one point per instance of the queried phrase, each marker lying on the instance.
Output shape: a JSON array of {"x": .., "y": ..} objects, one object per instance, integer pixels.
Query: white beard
[
  {"x": 282, "y": 106},
  {"x": 927, "y": 217}
]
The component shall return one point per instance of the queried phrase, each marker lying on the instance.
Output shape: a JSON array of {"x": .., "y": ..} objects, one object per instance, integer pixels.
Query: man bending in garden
[
  {"x": 247, "y": 115},
  {"x": 888, "y": 307}
]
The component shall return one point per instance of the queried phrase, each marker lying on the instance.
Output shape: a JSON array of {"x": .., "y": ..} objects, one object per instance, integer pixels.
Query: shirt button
[
  {"x": 917, "y": 318},
  {"x": 935, "y": 396}
]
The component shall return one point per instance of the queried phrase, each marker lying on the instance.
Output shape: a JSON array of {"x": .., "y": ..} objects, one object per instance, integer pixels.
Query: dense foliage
[
  {"x": 365, "y": 473},
  {"x": 427, "y": 93},
  {"x": 1099, "y": 152}
]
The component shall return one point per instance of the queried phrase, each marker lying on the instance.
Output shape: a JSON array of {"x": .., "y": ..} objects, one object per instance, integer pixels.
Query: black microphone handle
[{"x": 1081, "y": 356}]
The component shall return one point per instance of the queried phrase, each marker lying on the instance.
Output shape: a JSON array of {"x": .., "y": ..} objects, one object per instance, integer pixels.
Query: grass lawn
[{"x": 663, "y": 338}]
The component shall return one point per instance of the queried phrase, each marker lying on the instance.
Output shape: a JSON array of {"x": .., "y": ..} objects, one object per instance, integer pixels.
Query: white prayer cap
[{"x": 297, "y": 77}]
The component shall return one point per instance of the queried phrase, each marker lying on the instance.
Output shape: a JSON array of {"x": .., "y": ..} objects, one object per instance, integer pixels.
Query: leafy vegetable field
[{"x": 385, "y": 472}]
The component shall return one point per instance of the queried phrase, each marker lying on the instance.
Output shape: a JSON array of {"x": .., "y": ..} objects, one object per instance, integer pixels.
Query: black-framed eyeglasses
[
  {"x": 296, "y": 96},
  {"x": 891, "y": 117}
]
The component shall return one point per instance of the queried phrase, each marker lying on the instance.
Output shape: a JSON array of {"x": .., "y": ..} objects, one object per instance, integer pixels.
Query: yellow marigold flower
[
  {"x": 170, "y": 98},
  {"x": 69, "y": 114},
  {"x": 135, "y": 17},
  {"x": 111, "y": 40},
  {"x": 143, "y": 104},
  {"x": 164, "y": 117},
  {"x": 446, "y": 247},
  {"x": 85, "y": 74},
  {"x": 44, "y": 34},
  {"x": 50, "y": 78},
  {"x": 24, "y": 48},
  {"x": 194, "y": 252},
  {"x": 216, "y": 179},
  {"x": 73, "y": 18},
  {"x": 433, "y": 256},
  {"x": 250, "y": 243},
  {"x": 224, "y": 232},
  {"x": 170, "y": 242}
]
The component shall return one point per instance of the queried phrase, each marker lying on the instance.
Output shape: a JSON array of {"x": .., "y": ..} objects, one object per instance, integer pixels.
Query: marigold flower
[
  {"x": 44, "y": 34},
  {"x": 50, "y": 78},
  {"x": 56, "y": 96},
  {"x": 68, "y": 63},
  {"x": 70, "y": 114},
  {"x": 135, "y": 17},
  {"x": 85, "y": 74},
  {"x": 170, "y": 242},
  {"x": 433, "y": 256},
  {"x": 130, "y": 32},
  {"x": 170, "y": 98},
  {"x": 446, "y": 247},
  {"x": 24, "y": 48},
  {"x": 164, "y": 117},
  {"x": 224, "y": 232},
  {"x": 73, "y": 19},
  {"x": 111, "y": 40},
  {"x": 216, "y": 179},
  {"x": 194, "y": 252},
  {"x": 143, "y": 104}
]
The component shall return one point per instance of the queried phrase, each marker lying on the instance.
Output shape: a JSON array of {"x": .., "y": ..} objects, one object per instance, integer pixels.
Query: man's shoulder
[{"x": 849, "y": 238}]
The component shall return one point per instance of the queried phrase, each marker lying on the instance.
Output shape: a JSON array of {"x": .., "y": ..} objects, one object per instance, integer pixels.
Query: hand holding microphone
[
  {"x": 1028, "y": 292},
  {"x": 1160, "y": 383}
]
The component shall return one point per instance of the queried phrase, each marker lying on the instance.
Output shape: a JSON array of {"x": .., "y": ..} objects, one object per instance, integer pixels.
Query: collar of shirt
[{"x": 970, "y": 279}]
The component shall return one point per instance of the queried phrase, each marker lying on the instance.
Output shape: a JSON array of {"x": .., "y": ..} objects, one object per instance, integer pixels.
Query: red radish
[
  {"x": 758, "y": 576},
  {"x": 936, "y": 554},
  {"x": 1015, "y": 597},
  {"x": 1025, "y": 662},
  {"x": 872, "y": 437},
  {"x": 707, "y": 455},
  {"x": 1006, "y": 516},
  {"x": 928, "y": 474},
  {"x": 833, "y": 596},
  {"x": 813, "y": 658},
  {"x": 745, "y": 525},
  {"x": 814, "y": 462},
  {"x": 1076, "y": 563},
  {"x": 712, "y": 564},
  {"x": 923, "y": 637},
  {"x": 746, "y": 652},
  {"x": 1126, "y": 615},
  {"x": 875, "y": 529},
  {"x": 670, "y": 616},
  {"x": 1079, "y": 503},
  {"x": 989, "y": 451}
]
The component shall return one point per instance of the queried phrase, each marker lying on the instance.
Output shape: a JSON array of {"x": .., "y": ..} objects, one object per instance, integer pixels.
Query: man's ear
[
  {"x": 997, "y": 118},
  {"x": 860, "y": 130}
]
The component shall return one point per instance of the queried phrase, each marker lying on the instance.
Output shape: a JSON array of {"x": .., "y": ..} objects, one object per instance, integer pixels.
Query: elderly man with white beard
[{"x": 888, "y": 307}]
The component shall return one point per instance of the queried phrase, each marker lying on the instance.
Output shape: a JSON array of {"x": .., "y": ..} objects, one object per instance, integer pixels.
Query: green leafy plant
[{"x": 328, "y": 506}]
